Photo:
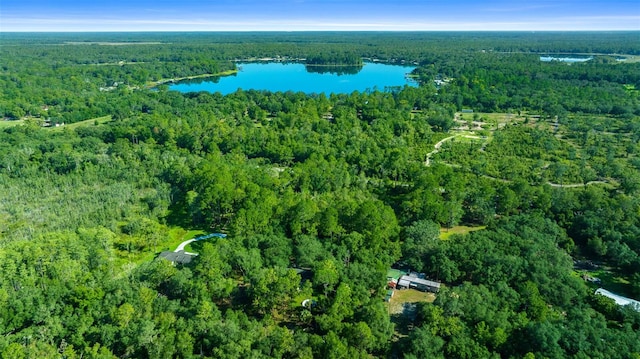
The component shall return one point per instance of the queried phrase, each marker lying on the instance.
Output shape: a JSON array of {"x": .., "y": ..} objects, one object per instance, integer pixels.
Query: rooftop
[
  {"x": 416, "y": 280},
  {"x": 177, "y": 257},
  {"x": 620, "y": 300},
  {"x": 395, "y": 273}
]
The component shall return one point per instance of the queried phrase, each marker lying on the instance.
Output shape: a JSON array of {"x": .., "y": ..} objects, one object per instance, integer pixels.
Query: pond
[{"x": 299, "y": 77}]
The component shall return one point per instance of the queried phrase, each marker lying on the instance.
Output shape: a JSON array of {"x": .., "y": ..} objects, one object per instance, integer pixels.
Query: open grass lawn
[
  {"x": 609, "y": 281},
  {"x": 402, "y": 297},
  {"x": 494, "y": 117},
  {"x": 178, "y": 235},
  {"x": 468, "y": 140},
  {"x": 89, "y": 122},
  {"x": 402, "y": 309},
  {"x": 196, "y": 247},
  {"x": 445, "y": 233},
  {"x": 629, "y": 59},
  {"x": 173, "y": 238},
  {"x": 6, "y": 124}
]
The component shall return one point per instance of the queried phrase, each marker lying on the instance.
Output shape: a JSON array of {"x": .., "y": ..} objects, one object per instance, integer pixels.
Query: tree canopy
[{"x": 319, "y": 196}]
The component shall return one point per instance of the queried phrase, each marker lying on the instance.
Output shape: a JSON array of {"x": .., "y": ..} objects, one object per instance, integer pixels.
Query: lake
[
  {"x": 565, "y": 59},
  {"x": 297, "y": 77}
]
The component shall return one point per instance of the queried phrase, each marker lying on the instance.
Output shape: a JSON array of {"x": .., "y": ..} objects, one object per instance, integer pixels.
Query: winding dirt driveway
[
  {"x": 575, "y": 185},
  {"x": 436, "y": 147},
  {"x": 184, "y": 244}
]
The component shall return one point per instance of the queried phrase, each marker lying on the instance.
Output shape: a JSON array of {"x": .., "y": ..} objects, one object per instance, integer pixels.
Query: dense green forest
[{"x": 319, "y": 195}]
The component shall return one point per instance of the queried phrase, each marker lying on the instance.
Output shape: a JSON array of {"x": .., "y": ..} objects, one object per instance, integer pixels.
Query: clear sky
[{"x": 294, "y": 15}]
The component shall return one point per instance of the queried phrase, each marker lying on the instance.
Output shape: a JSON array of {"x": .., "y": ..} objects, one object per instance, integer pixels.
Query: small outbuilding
[{"x": 389, "y": 295}]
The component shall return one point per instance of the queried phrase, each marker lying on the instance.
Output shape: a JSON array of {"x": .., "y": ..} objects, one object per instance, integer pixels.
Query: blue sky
[{"x": 294, "y": 15}]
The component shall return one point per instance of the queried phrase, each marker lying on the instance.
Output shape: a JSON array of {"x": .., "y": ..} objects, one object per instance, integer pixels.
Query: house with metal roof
[
  {"x": 180, "y": 257},
  {"x": 620, "y": 300},
  {"x": 415, "y": 282}
]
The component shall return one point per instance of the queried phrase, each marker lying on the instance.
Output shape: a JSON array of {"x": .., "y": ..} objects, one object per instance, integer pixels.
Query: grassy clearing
[
  {"x": 402, "y": 309},
  {"x": 446, "y": 233},
  {"x": 493, "y": 117},
  {"x": 178, "y": 235},
  {"x": 10, "y": 123},
  {"x": 402, "y": 297},
  {"x": 468, "y": 140},
  {"x": 412, "y": 296},
  {"x": 630, "y": 59},
  {"x": 609, "y": 281},
  {"x": 89, "y": 122},
  {"x": 632, "y": 89},
  {"x": 174, "y": 237}
]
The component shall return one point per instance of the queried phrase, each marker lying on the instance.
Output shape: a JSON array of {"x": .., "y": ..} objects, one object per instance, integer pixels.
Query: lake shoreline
[
  {"x": 194, "y": 77},
  {"x": 295, "y": 76},
  {"x": 301, "y": 60}
]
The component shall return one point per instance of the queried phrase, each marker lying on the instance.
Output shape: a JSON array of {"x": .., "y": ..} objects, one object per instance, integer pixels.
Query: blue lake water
[
  {"x": 565, "y": 59},
  {"x": 295, "y": 77}
]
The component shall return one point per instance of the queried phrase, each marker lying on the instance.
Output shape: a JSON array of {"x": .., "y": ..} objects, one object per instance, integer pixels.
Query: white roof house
[{"x": 620, "y": 300}]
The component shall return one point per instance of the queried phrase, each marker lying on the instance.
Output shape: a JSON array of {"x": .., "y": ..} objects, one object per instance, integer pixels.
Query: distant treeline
[
  {"x": 41, "y": 74},
  {"x": 334, "y": 59}
]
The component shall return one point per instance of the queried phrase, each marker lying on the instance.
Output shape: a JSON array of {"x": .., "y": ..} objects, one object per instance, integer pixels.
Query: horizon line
[{"x": 310, "y": 30}]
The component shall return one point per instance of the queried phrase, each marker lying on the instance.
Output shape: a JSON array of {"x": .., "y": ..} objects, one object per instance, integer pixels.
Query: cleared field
[
  {"x": 445, "y": 233},
  {"x": 89, "y": 122},
  {"x": 629, "y": 59},
  {"x": 491, "y": 118},
  {"x": 608, "y": 280},
  {"x": 6, "y": 123},
  {"x": 175, "y": 236},
  {"x": 403, "y": 299}
]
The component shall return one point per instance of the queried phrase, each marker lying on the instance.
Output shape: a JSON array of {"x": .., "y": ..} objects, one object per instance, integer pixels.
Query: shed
[
  {"x": 403, "y": 283},
  {"x": 389, "y": 295},
  {"x": 393, "y": 275}
]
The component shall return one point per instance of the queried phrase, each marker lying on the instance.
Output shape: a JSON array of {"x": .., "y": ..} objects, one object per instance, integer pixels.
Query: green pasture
[{"x": 446, "y": 233}]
